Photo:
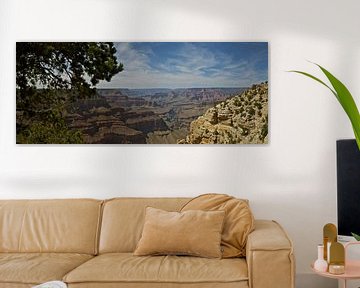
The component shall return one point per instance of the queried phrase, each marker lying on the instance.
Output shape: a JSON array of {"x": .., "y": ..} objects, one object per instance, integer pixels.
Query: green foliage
[
  {"x": 43, "y": 132},
  {"x": 344, "y": 97},
  {"x": 264, "y": 131},
  {"x": 47, "y": 127},
  {"x": 52, "y": 75},
  {"x": 64, "y": 65},
  {"x": 244, "y": 131},
  {"x": 237, "y": 101},
  {"x": 356, "y": 236},
  {"x": 258, "y": 105},
  {"x": 251, "y": 111}
]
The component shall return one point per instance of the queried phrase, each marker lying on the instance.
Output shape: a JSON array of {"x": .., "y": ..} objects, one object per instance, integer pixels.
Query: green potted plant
[{"x": 345, "y": 99}]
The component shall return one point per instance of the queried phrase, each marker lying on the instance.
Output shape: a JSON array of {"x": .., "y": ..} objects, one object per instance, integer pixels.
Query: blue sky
[{"x": 190, "y": 64}]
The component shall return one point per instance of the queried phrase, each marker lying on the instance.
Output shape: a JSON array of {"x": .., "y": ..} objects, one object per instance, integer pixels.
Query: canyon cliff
[{"x": 242, "y": 119}]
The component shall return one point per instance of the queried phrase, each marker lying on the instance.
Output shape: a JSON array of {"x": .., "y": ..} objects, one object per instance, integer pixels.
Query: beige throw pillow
[
  {"x": 239, "y": 220},
  {"x": 193, "y": 232}
]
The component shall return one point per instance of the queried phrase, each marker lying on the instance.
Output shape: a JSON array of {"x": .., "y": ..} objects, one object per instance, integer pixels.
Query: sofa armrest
[{"x": 269, "y": 256}]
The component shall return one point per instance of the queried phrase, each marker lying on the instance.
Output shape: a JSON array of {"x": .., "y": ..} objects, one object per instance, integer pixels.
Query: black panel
[{"x": 348, "y": 187}]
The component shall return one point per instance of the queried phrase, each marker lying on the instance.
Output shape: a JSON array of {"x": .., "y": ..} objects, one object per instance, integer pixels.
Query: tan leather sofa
[{"x": 89, "y": 243}]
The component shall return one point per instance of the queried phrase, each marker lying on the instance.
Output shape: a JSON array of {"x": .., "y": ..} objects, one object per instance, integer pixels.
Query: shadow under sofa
[{"x": 90, "y": 243}]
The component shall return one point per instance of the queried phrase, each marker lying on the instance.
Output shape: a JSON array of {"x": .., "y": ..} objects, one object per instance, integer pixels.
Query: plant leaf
[
  {"x": 357, "y": 137},
  {"x": 356, "y": 236},
  {"x": 344, "y": 97},
  {"x": 316, "y": 79},
  {"x": 347, "y": 102}
]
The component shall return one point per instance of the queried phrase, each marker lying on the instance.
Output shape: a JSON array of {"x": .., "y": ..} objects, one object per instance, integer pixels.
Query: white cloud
[
  {"x": 132, "y": 59},
  {"x": 193, "y": 66}
]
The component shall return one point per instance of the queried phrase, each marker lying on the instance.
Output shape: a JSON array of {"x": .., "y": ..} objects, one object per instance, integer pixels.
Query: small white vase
[{"x": 320, "y": 264}]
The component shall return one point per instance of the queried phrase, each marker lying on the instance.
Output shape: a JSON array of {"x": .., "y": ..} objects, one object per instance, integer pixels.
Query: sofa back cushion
[
  {"x": 238, "y": 224},
  {"x": 123, "y": 220},
  {"x": 66, "y": 226}
]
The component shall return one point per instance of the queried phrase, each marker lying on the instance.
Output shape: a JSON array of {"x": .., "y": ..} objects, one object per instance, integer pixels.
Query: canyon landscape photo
[{"x": 142, "y": 93}]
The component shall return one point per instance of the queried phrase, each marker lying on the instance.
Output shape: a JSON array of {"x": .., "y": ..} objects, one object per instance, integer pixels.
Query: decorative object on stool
[
  {"x": 329, "y": 236},
  {"x": 320, "y": 264},
  {"x": 340, "y": 266},
  {"x": 337, "y": 258}
]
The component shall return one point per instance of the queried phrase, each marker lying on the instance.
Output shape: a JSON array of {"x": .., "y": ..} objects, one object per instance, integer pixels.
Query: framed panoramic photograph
[{"x": 142, "y": 93}]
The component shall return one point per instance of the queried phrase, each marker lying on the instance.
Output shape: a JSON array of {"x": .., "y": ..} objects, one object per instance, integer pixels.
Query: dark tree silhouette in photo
[{"x": 50, "y": 75}]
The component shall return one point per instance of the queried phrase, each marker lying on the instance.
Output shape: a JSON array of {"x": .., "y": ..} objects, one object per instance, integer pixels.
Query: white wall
[{"x": 292, "y": 180}]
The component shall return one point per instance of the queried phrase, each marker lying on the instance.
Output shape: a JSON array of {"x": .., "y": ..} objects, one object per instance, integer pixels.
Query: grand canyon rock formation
[
  {"x": 107, "y": 119},
  {"x": 142, "y": 115},
  {"x": 242, "y": 119}
]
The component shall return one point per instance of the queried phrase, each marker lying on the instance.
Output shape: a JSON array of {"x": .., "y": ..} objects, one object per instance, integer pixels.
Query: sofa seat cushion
[
  {"x": 36, "y": 268},
  {"x": 127, "y": 268}
]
